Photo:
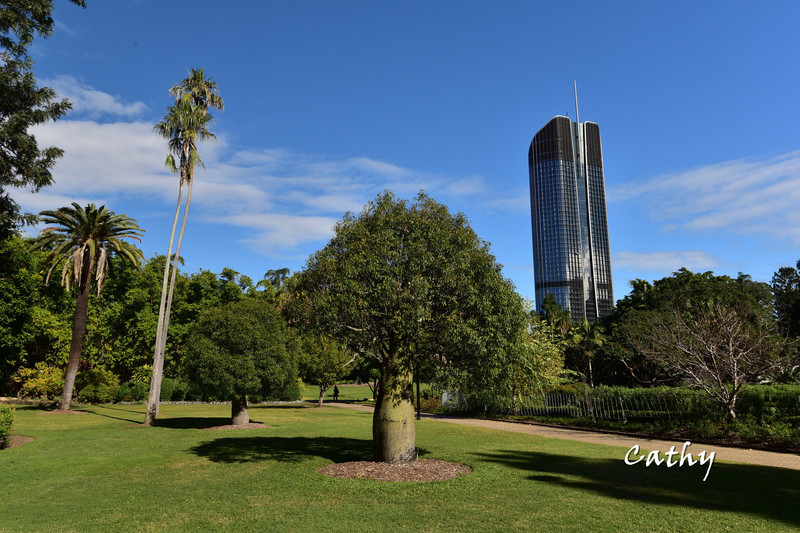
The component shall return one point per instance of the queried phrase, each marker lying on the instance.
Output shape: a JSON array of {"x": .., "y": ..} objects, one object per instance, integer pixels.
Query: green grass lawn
[
  {"x": 346, "y": 392},
  {"x": 93, "y": 472}
]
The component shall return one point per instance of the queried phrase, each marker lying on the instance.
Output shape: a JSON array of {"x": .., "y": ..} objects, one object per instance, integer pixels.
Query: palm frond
[{"x": 82, "y": 241}]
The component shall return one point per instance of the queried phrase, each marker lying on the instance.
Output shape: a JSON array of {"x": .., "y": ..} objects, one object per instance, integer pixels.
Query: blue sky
[{"x": 330, "y": 103}]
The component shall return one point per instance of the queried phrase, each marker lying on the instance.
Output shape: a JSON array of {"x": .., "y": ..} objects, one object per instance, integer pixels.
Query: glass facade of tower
[{"x": 571, "y": 256}]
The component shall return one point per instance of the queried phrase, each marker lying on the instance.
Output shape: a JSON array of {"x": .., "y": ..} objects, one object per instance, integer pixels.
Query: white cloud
[
  {"x": 665, "y": 262},
  {"x": 90, "y": 102},
  {"x": 103, "y": 159},
  {"x": 280, "y": 231},
  {"x": 745, "y": 196},
  {"x": 285, "y": 198}
]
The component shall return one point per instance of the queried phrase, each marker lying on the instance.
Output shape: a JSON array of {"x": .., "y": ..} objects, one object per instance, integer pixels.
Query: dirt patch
[
  {"x": 63, "y": 412},
  {"x": 251, "y": 425},
  {"x": 18, "y": 440},
  {"x": 422, "y": 470}
]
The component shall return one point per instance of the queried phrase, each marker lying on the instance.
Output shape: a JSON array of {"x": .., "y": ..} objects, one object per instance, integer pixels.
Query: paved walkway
[{"x": 724, "y": 453}]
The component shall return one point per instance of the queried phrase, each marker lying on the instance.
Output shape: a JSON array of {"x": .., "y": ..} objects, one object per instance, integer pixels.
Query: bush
[
  {"x": 179, "y": 391},
  {"x": 194, "y": 393},
  {"x": 133, "y": 392},
  {"x": 6, "y": 419},
  {"x": 100, "y": 393},
  {"x": 96, "y": 376},
  {"x": 167, "y": 388},
  {"x": 770, "y": 403},
  {"x": 42, "y": 381},
  {"x": 293, "y": 391}
]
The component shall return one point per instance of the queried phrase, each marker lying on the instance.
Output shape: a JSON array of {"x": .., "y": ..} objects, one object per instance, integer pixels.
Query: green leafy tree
[
  {"x": 239, "y": 350},
  {"x": 81, "y": 242},
  {"x": 786, "y": 288},
  {"x": 404, "y": 282},
  {"x": 323, "y": 361},
  {"x": 34, "y": 318},
  {"x": 585, "y": 340},
  {"x": 184, "y": 126},
  {"x": 555, "y": 315},
  {"x": 23, "y": 105},
  {"x": 539, "y": 362}
]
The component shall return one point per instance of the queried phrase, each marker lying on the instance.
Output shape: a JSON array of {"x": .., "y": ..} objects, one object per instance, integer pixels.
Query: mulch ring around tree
[
  {"x": 420, "y": 470},
  {"x": 18, "y": 440},
  {"x": 63, "y": 412}
]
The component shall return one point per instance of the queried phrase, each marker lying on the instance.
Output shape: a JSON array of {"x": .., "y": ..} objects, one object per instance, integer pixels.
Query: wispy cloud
[
  {"x": 278, "y": 199},
  {"x": 745, "y": 196},
  {"x": 88, "y": 101},
  {"x": 663, "y": 263}
]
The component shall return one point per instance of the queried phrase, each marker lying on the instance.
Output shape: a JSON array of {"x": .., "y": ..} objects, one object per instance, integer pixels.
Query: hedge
[{"x": 6, "y": 419}]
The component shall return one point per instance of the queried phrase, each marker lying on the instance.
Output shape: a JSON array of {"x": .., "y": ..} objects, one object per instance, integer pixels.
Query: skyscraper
[{"x": 571, "y": 255}]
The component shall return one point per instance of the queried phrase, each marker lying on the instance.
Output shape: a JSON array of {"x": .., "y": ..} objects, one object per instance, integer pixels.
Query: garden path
[{"x": 723, "y": 453}]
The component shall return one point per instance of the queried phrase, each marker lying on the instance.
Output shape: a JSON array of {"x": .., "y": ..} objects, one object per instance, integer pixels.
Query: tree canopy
[
  {"x": 405, "y": 281},
  {"x": 239, "y": 350},
  {"x": 23, "y": 104}
]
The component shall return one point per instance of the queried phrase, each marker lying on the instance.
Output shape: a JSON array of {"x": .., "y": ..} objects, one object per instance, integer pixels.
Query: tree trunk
[
  {"x": 175, "y": 269},
  {"x": 393, "y": 429},
  {"x": 419, "y": 406},
  {"x": 78, "y": 332},
  {"x": 514, "y": 407},
  {"x": 158, "y": 356},
  {"x": 731, "y": 407},
  {"x": 321, "y": 395},
  {"x": 163, "y": 345},
  {"x": 239, "y": 414}
]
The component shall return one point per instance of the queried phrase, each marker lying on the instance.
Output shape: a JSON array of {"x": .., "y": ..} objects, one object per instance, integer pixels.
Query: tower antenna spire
[{"x": 575, "y": 85}]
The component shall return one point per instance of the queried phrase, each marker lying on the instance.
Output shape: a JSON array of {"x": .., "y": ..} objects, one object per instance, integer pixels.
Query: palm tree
[
  {"x": 184, "y": 125},
  {"x": 203, "y": 91},
  {"x": 587, "y": 339},
  {"x": 82, "y": 241},
  {"x": 277, "y": 278}
]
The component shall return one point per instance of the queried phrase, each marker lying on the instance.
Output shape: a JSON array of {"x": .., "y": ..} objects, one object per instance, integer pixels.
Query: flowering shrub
[{"x": 42, "y": 381}]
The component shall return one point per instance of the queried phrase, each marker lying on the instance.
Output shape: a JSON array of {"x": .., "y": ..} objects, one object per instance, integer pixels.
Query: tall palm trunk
[
  {"x": 175, "y": 267},
  {"x": 161, "y": 340},
  {"x": 78, "y": 332},
  {"x": 158, "y": 356}
]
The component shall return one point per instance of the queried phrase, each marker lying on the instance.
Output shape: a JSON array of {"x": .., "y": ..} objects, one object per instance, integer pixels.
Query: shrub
[
  {"x": 42, "y": 381},
  {"x": 99, "y": 393},
  {"x": 95, "y": 376},
  {"x": 142, "y": 374},
  {"x": 180, "y": 389},
  {"x": 167, "y": 388},
  {"x": 293, "y": 391},
  {"x": 6, "y": 419},
  {"x": 770, "y": 403},
  {"x": 132, "y": 392}
]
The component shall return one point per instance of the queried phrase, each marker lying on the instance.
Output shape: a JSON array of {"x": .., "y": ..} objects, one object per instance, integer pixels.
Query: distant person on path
[{"x": 335, "y": 393}]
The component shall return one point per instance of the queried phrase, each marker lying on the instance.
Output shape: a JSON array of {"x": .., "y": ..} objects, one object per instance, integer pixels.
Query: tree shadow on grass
[
  {"x": 194, "y": 422},
  {"x": 33, "y": 408},
  {"x": 304, "y": 405},
  {"x": 284, "y": 449},
  {"x": 135, "y": 417},
  {"x": 771, "y": 493}
]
